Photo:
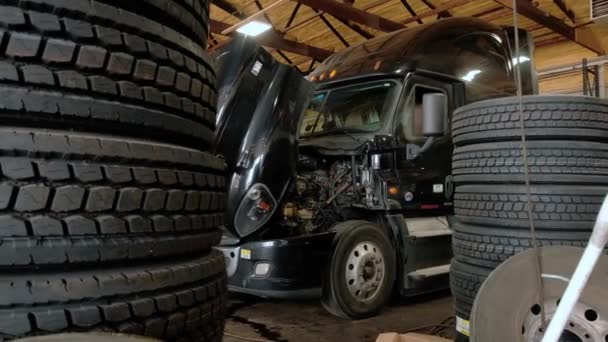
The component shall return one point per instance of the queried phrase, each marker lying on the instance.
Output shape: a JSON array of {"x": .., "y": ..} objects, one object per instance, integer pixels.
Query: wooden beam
[
  {"x": 562, "y": 6},
  {"x": 410, "y": 10},
  {"x": 357, "y": 29},
  {"x": 252, "y": 17},
  {"x": 442, "y": 14},
  {"x": 587, "y": 38},
  {"x": 293, "y": 15},
  {"x": 527, "y": 9},
  {"x": 334, "y": 30},
  {"x": 490, "y": 11},
  {"x": 228, "y": 8},
  {"x": 346, "y": 12},
  {"x": 275, "y": 40},
  {"x": 316, "y": 15},
  {"x": 287, "y": 59},
  {"x": 444, "y": 7}
]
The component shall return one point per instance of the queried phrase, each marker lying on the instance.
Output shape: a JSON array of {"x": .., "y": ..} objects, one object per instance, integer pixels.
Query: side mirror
[{"x": 434, "y": 114}]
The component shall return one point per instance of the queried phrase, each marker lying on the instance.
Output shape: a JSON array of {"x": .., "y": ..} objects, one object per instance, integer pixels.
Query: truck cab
[{"x": 341, "y": 183}]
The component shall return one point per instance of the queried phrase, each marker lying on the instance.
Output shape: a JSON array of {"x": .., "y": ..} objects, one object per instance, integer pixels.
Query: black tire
[
  {"x": 336, "y": 297},
  {"x": 572, "y": 208},
  {"x": 550, "y": 162},
  {"x": 183, "y": 299},
  {"x": 546, "y": 117},
  {"x": 189, "y": 17},
  {"x": 102, "y": 69},
  {"x": 72, "y": 199},
  {"x": 490, "y": 246},
  {"x": 465, "y": 281},
  {"x": 93, "y": 226}
]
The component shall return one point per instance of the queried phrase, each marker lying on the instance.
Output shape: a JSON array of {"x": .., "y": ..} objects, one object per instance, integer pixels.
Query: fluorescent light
[
  {"x": 254, "y": 28},
  {"x": 471, "y": 75}
]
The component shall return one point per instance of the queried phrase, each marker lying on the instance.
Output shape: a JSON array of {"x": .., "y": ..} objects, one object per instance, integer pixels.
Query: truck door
[{"x": 424, "y": 164}]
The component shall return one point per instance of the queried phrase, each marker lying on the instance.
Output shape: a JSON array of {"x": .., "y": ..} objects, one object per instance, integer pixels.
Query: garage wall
[{"x": 562, "y": 53}]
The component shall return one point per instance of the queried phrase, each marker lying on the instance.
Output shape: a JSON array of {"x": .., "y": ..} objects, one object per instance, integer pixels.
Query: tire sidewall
[{"x": 347, "y": 240}]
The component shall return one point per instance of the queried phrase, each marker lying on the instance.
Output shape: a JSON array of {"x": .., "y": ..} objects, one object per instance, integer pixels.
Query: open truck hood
[{"x": 260, "y": 102}]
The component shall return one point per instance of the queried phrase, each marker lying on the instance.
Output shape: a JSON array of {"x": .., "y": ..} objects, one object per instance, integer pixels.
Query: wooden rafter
[
  {"x": 272, "y": 38},
  {"x": 442, "y": 14},
  {"x": 316, "y": 15},
  {"x": 346, "y": 12},
  {"x": 444, "y": 7},
  {"x": 356, "y": 28},
  {"x": 287, "y": 59},
  {"x": 490, "y": 11},
  {"x": 260, "y": 12},
  {"x": 333, "y": 30},
  {"x": 293, "y": 15},
  {"x": 582, "y": 37},
  {"x": 411, "y": 10},
  {"x": 562, "y": 6}
]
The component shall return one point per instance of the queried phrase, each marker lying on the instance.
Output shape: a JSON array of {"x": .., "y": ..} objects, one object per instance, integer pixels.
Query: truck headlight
[{"x": 256, "y": 208}]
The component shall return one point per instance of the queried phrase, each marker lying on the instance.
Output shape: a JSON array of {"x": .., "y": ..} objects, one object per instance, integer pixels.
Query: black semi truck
[{"x": 341, "y": 183}]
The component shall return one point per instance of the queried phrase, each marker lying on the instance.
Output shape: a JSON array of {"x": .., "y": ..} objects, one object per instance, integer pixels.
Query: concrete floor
[{"x": 293, "y": 321}]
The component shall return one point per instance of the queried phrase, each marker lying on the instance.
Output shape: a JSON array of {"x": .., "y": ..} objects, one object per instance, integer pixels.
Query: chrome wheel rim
[{"x": 365, "y": 271}]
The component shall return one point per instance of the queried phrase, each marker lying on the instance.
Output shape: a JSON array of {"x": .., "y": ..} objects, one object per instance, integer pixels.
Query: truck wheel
[{"x": 361, "y": 273}]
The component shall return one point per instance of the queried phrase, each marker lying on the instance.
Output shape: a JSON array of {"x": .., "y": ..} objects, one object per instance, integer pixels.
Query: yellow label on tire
[{"x": 463, "y": 326}]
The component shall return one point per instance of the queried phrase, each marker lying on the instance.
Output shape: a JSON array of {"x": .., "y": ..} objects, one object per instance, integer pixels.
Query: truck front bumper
[{"x": 284, "y": 268}]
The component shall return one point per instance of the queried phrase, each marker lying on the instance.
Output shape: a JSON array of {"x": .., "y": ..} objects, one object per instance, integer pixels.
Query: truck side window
[{"x": 409, "y": 127}]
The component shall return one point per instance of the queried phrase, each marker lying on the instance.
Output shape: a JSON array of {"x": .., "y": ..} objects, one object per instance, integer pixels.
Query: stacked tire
[
  {"x": 567, "y": 142},
  {"x": 109, "y": 202}
]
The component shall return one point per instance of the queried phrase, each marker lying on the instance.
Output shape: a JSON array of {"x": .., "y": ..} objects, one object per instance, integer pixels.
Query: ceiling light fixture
[
  {"x": 471, "y": 75},
  {"x": 254, "y": 28}
]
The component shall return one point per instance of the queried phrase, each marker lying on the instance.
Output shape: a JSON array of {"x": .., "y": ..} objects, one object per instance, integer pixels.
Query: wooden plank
[{"x": 346, "y": 12}]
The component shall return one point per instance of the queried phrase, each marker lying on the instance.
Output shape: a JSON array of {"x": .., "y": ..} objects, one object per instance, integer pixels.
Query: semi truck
[{"x": 341, "y": 185}]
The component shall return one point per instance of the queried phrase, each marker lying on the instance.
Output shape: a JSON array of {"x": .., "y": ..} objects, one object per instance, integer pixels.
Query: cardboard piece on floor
[{"x": 394, "y": 337}]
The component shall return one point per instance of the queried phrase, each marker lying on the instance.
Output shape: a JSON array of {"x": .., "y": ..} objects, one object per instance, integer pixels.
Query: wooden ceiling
[{"x": 307, "y": 31}]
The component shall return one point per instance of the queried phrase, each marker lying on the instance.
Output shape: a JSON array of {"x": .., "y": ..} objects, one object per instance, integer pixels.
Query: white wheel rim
[{"x": 365, "y": 271}]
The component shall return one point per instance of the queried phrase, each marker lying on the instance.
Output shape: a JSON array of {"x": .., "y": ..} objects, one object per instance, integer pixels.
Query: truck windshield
[{"x": 358, "y": 108}]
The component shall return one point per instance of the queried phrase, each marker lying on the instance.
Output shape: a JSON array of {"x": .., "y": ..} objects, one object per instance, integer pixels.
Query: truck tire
[
  {"x": 99, "y": 232},
  {"x": 546, "y": 117},
  {"x": 169, "y": 300},
  {"x": 490, "y": 246},
  {"x": 98, "y": 68},
  {"x": 189, "y": 17},
  {"x": 363, "y": 255},
  {"x": 465, "y": 281},
  {"x": 550, "y": 162},
  {"x": 555, "y": 207}
]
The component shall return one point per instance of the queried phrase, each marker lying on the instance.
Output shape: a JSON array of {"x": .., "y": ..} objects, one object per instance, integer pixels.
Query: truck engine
[{"x": 323, "y": 194}]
